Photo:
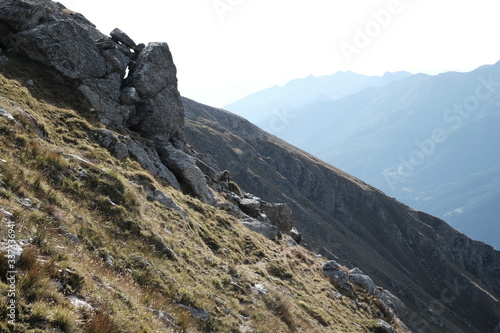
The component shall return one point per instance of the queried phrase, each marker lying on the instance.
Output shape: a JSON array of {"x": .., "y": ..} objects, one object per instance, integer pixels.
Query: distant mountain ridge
[
  {"x": 429, "y": 141},
  {"x": 297, "y": 93}
]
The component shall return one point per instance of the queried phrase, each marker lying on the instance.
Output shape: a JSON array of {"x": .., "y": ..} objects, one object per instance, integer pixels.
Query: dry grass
[{"x": 158, "y": 260}]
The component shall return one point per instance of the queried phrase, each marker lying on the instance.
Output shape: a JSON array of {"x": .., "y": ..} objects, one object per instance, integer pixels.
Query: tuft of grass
[
  {"x": 101, "y": 323},
  {"x": 64, "y": 318}
]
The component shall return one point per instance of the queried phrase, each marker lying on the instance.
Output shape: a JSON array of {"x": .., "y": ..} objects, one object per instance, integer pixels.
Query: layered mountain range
[
  {"x": 185, "y": 172},
  {"x": 429, "y": 141}
]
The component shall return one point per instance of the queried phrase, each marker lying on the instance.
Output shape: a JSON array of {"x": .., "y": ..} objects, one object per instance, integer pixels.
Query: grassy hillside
[{"x": 100, "y": 254}]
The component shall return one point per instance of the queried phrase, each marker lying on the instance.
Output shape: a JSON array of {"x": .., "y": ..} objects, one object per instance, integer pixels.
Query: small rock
[
  {"x": 123, "y": 38},
  {"x": 25, "y": 202},
  {"x": 5, "y": 113},
  {"x": 129, "y": 96},
  {"x": 80, "y": 304},
  {"x": 196, "y": 313},
  {"x": 30, "y": 83},
  {"x": 260, "y": 289}
]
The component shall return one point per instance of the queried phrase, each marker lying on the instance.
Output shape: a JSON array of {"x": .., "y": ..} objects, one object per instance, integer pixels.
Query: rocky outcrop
[{"x": 132, "y": 87}]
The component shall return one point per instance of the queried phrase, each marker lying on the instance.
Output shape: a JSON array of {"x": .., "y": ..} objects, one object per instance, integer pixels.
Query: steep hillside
[
  {"x": 109, "y": 227},
  {"x": 124, "y": 216},
  {"x": 429, "y": 141},
  {"x": 448, "y": 282}
]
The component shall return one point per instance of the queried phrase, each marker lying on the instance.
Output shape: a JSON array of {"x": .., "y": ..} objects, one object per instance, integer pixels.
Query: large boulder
[
  {"x": 160, "y": 113},
  {"x": 63, "y": 44},
  {"x": 279, "y": 214}
]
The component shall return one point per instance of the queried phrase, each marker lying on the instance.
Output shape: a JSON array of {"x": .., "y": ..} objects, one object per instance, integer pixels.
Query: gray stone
[
  {"x": 341, "y": 277},
  {"x": 365, "y": 282},
  {"x": 116, "y": 61},
  {"x": 21, "y": 14},
  {"x": 5, "y": 113},
  {"x": 129, "y": 96},
  {"x": 279, "y": 214},
  {"x": 383, "y": 327},
  {"x": 145, "y": 155},
  {"x": 4, "y": 60},
  {"x": 104, "y": 101},
  {"x": 54, "y": 45},
  {"x": 266, "y": 229},
  {"x": 250, "y": 206},
  {"x": 196, "y": 313},
  {"x": 154, "y": 71},
  {"x": 123, "y": 38},
  {"x": 184, "y": 168},
  {"x": 160, "y": 116}
]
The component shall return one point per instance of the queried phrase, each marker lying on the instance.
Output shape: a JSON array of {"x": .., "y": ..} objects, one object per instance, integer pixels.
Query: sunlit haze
[{"x": 227, "y": 49}]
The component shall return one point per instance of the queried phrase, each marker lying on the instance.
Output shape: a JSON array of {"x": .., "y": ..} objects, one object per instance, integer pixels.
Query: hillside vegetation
[{"x": 101, "y": 254}]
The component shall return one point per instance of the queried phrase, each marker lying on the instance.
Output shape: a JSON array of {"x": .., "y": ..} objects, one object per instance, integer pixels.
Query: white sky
[{"x": 247, "y": 45}]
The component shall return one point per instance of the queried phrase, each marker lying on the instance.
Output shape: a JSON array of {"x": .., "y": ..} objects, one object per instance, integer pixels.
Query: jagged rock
[
  {"x": 279, "y": 214},
  {"x": 154, "y": 70},
  {"x": 6, "y": 114},
  {"x": 146, "y": 156},
  {"x": 21, "y": 15},
  {"x": 139, "y": 261},
  {"x": 129, "y": 96},
  {"x": 116, "y": 61},
  {"x": 160, "y": 114},
  {"x": 392, "y": 302},
  {"x": 79, "y": 303},
  {"x": 185, "y": 169},
  {"x": 382, "y": 327},
  {"x": 163, "y": 247},
  {"x": 168, "y": 319},
  {"x": 196, "y": 313},
  {"x": 365, "y": 282},
  {"x": 250, "y": 206},
  {"x": 262, "y": 227},
  {"x": 123, "y": 38},
  {"x": 341, "y": 277},
  {"x": 54, "y": 45}
]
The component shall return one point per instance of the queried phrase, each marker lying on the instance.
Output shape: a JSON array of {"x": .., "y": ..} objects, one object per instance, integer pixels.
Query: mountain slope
[
  {"x": 270, "y": 108},
  {"x": 435, "y": 270},
  {"x": 428, "y": 141},
  {"x": 98, "y": 234}
]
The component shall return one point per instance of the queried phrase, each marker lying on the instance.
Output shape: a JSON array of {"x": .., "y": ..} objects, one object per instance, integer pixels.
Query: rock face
[
  {"x": 421, "y": 260},
  {"x": 132, "y": 87}
]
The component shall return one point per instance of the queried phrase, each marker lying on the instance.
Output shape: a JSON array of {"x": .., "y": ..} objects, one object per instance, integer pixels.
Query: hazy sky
[{"x": 227, "y": 49}]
